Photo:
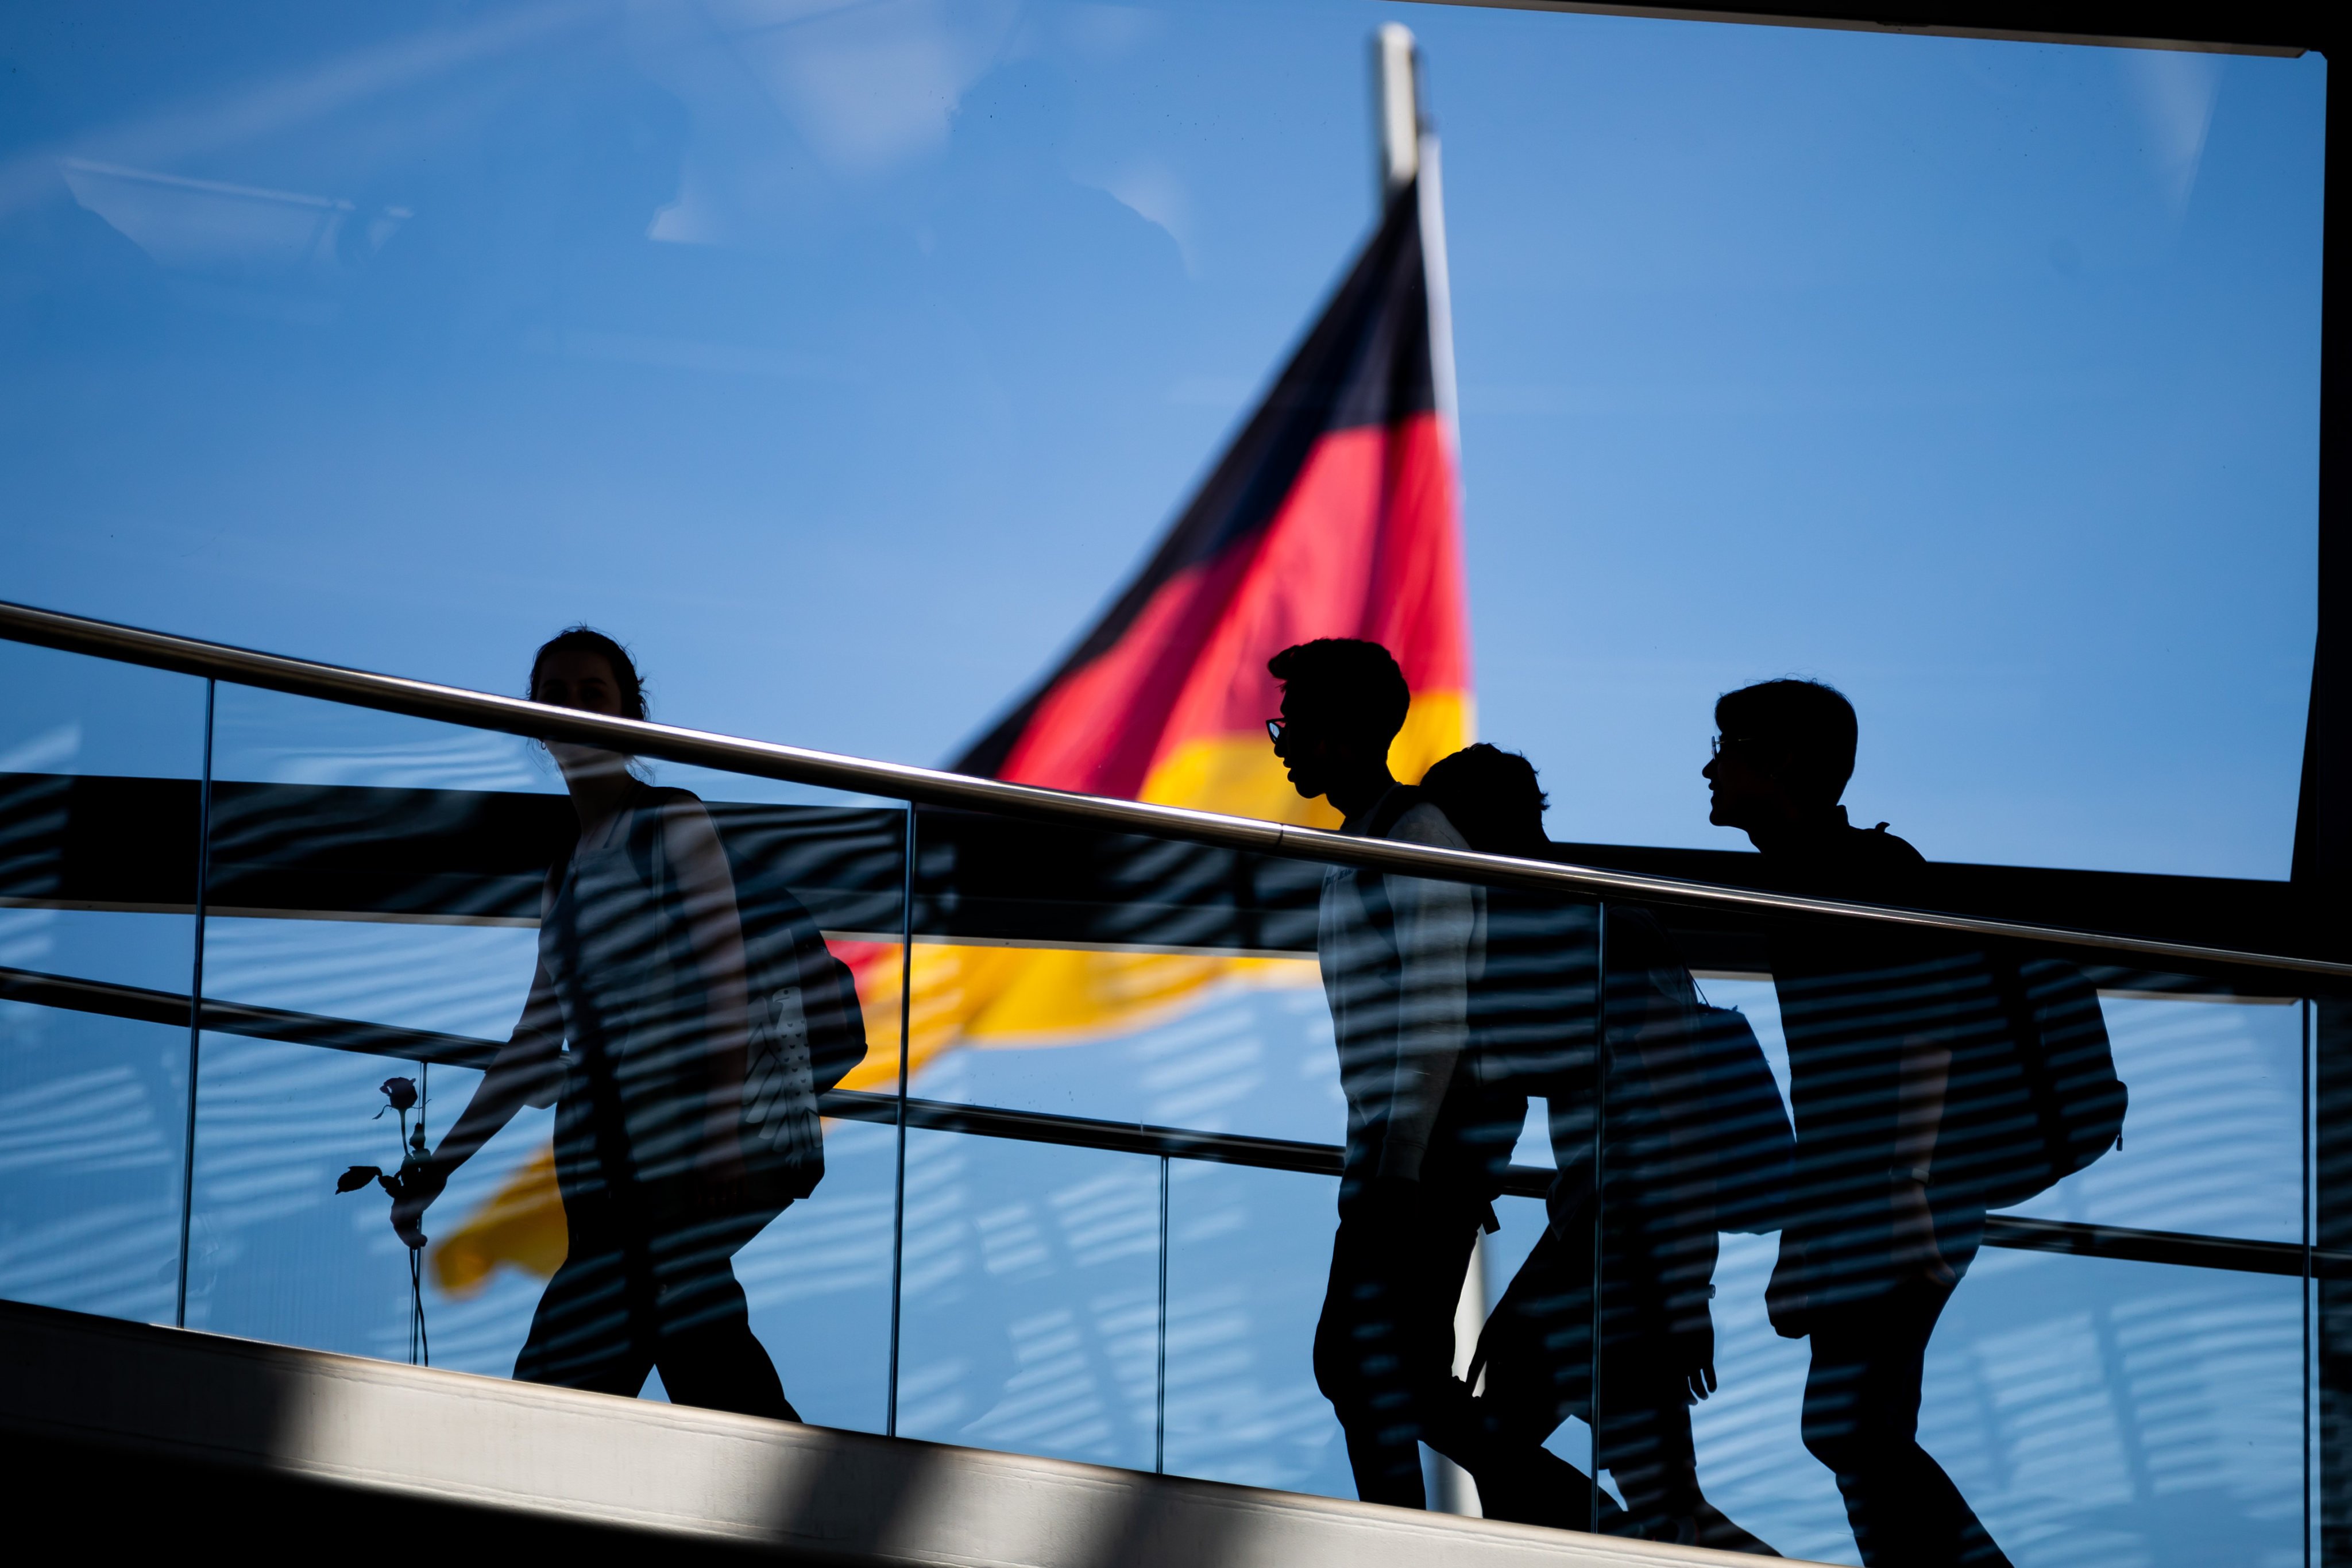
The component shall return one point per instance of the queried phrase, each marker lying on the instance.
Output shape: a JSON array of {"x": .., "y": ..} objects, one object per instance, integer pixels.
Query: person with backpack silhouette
[
  {"x": 682, "y": 1035},
  {"x": 1883, "y": 1023},
  {"x": 1686, "y": 1156},
  {"x": 1423, "y": 1154}
]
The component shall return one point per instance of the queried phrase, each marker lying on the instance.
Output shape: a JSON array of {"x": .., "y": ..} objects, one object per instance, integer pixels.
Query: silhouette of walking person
[
  {"x": 1397, "y": 954},
  {"x": 1874, "y": 1242},
  {"x": 1532, "y": 1027},
  {"x": 642, "y": 974}
]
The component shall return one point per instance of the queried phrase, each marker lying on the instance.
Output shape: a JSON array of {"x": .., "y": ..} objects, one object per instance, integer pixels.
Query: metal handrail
[{"x": 933, "y": 786}]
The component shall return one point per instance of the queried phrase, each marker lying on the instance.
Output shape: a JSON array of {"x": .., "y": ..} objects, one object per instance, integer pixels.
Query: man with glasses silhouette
[{"x": 1399, "y": 955}]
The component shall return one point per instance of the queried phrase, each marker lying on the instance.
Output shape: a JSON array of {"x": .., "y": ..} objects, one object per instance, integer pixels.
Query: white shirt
[{"x": 1399, "y": 990}]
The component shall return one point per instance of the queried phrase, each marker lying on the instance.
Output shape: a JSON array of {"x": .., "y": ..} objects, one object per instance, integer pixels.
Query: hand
[
  {"x": 1914, "y": 1233},
  {"x": 413, "y": 1191}
]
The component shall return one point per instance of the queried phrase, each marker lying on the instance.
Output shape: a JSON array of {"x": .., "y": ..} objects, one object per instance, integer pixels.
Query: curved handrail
[{"x": 933, "y": 786}]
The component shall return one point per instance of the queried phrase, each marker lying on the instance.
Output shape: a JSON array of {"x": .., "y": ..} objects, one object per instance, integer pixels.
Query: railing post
[
  {"x": 2331, "y": 1066},
  {"x": 196, "y": 1009},
  {"x": 1160, "y": 1378},
  {"x": 906, "y": 1048},
  {"x": 1600, "y": 1171}
]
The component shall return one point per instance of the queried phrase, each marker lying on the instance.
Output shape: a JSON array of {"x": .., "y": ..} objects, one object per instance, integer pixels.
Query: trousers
[
  {"x": 1384, "y": 1344},
  {"x": 1862, "y": 1420},
  {"x": 630, "y": 1298},
  {"x": 1537, "y": 1356}
]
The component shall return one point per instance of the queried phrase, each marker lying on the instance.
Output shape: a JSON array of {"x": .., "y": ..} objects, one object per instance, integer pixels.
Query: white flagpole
[
  {"x": 1396, "y": 106},
  {"x": 1441, "y": 293},
  {"x": 1408, "y": 148}
]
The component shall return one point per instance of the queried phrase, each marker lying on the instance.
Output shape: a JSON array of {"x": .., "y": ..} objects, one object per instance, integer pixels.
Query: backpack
[
  {"x": 1718, "y": 1135},
  {"x": 2045, "y": 1101},
  {"x": 806, "y": 1028},
  {"x": 1729, "y": 1123},
  {"x": 1698, "y": 1131},
  {"x": 807, "y": 1032},
  {"x": 1727, "y": 1108}
]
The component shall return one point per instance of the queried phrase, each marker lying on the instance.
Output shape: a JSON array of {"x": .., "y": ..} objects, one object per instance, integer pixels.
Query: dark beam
[{"x": 2267, "y": 28}]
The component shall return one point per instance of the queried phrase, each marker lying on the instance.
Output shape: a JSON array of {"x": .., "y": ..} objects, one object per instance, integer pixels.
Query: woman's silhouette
[
  {"x": 1532, "y": 1019},
  {"x": 637, "y": 1031}
]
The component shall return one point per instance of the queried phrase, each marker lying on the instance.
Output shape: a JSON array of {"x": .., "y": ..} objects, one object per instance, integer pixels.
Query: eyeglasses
[
  {"x": 1273, "y": 728},
  {"x": 1714, "y": 747}
]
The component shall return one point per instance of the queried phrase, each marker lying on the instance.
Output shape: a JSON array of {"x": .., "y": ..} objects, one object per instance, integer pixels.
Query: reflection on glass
[
  {"x": 1249, "y": 1255},
  {"x": 1118, "y": 977},
  {"x": 2088, "y": 1409},
  {"x": 683, "y": 1041},
  {"x": 99, "y": 794},
  {"x": 1031, "y": 1308},
  {"x": 422, "y": 916},
  {"x": 2212, "y": 1142},
  {"x": 92, "y": 1115},
  {"x": 274, "y": 1252},
  {"x": 818, "y": 1281},
  {"x": 1252, "y": 1056}
]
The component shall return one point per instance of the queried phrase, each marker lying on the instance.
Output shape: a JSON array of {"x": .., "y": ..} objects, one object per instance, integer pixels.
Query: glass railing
[{"x": 1089, "y": 1211}]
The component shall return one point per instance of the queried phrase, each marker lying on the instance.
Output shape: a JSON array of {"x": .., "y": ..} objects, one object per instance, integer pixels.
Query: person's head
[
  {"x": 582, "y": 667},
  {"x": 1784, "y": 749},
  {"x": 1343, "y": 701},
  {"x": 1492, "y": 797}
]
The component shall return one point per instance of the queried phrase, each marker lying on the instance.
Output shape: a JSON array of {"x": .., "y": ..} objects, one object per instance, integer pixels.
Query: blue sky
[{"x": 844, "y": 358}]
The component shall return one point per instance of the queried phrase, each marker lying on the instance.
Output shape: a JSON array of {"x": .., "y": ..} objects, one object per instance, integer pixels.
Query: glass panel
[
  {"x": 2214, "y": 1143},
  {"x": 818, "y": 1281},
  {"x": 1119, "y": 978},
  {"x": 1524, "y": 1223},
  {"x": 2146, "y": 1405},
  {"x": 1031, "y": 1314},
  {"x": 1123, "y": 980},
  {"x": 1252, "y": 1256},
  {"x": 99, "y": 766},
  {"x": 2089, "y": 1411},
  {"x": 1249, "y": 1255},
  {"x": 377, "y": 899}
]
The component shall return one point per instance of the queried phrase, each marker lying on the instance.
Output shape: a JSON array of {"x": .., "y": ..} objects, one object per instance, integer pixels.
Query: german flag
[{"x": 1334, "y": 513}]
